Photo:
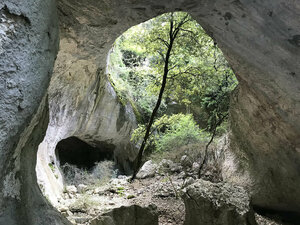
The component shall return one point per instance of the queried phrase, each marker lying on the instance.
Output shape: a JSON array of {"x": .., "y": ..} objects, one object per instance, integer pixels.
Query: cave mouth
[{"x": 76, "y": 152}]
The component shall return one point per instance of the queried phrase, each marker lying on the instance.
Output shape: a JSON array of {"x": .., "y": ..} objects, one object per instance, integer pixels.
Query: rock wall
[
  {"x": 260, "y": 41},
  {"x": 259, "y": 38},
  {"x": 82, "y": 102},
  {"x": 28, "y": 47}
]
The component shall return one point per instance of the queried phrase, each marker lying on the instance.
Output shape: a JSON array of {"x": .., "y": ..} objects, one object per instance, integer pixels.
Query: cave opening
[{"x": 76, "y": 152}]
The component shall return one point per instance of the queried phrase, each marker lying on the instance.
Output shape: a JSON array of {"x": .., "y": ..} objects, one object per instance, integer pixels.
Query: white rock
[
  {"x": 147, "y": 170},
  {"x": 81, "y": 188},
  {"x": 189, "y": 181},
  {"x": 169, "y": 166},
  {"x": 71, "y": 189},
  {"x": 63, "y": 208},
  {"x": 196, "y": 167},
  {"x": 69, "y": 213}
]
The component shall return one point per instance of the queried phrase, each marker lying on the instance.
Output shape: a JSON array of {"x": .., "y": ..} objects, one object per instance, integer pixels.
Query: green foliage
[
  {"x": 120, "y": 191},
  {"x": 216, "y": 102},
  {"x": 198, "y": 71},
  {"x": 171, "y": 132},
  {"x": 180, "y": 132},
  {"x": 51, "y": 167},
  {"x": 130, "y": 196}
]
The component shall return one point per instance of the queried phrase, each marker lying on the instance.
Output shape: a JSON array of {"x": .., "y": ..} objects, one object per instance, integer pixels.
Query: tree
[
  {"x": 197, "y": 66},
  {"x": 175, "y": 28},
  {"x": 186, "y": 68}
]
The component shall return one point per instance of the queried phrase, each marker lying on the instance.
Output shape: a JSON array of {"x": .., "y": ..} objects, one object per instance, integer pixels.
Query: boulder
[
  {"x": 128, "y": 215},
  {"x": 189, "y": 181},
  {"x": 147, "y": 170},
  {"x": 82, "y": 188},
  {"x": 71, "y": 189},
  {"x": 185, "y": 162},
  {"x": 169, "y": 166},
  {"x": 209, "y": 203},
  {"x": 196, "y": 167}
]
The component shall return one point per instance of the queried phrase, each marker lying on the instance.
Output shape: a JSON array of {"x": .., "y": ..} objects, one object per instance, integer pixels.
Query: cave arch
[{"x": 260, "y": 40}]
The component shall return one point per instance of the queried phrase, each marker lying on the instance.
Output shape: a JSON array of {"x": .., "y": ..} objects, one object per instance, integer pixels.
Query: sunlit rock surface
[{"x": 85, "y": 106}]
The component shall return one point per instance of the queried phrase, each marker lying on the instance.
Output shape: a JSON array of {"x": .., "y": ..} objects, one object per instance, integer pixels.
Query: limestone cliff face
[
  {"x": 261, "y": 43},
  {"x": 259, "y": 38},
  {"x": 82, "y": 103},
  {"x": 91, "y": 112},
  {"x": 28, "y": 47}
]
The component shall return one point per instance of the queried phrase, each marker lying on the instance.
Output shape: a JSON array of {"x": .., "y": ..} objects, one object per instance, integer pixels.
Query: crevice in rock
[
  {"x": 15, "y": 16},
  {"x": 285, "y": 217}
]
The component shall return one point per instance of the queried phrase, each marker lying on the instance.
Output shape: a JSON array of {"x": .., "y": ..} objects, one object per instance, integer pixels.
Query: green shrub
[
  {"x": 182, "y": 131},
  {"x": 171, "y": 132}
]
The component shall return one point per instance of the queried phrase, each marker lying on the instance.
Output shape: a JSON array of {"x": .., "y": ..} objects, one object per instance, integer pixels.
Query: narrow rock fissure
[{"x": 285, "y": 217}]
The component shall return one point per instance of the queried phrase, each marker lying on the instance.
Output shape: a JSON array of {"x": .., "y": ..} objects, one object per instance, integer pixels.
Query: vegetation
[
  {"x": 197, "y": 67},
  {"x": 171, "y": 132},
  {"x": 171, "y": 57},
  {"x": 101, "y": 173}
]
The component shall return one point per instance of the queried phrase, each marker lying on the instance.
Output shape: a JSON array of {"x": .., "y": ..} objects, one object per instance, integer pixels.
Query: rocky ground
[{"x": 159, "y": 187}]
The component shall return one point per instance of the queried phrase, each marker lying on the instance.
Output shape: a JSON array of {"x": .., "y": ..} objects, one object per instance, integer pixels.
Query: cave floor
[{"x": 82, "y": 205}]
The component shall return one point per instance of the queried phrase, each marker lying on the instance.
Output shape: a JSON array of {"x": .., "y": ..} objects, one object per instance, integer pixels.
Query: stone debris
[
  {"x": 210, "y": 203},
  {"x": 82, "y": 188},
  {"x": 71, "y": 189}
]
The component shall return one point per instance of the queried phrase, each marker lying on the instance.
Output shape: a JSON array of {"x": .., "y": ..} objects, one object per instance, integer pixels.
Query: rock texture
[
  {"x": 28, "y": 47},
  {"x": 91, "y": 113},
  {"x": 128, "y": 215},
  {"x": 261, "y": 42},
  {"x": 147, "y": 170},
  {"x": 259, "y": 38},
  {"x": 217, "y": 204}
]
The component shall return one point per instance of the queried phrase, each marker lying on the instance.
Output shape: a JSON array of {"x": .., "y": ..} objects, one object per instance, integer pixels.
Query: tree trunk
[{"x": 138, "y": 160}]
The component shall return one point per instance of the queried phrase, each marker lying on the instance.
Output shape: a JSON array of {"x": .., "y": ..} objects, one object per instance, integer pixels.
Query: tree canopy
[
  {"x": 198, "y": 74},
  {"x": 172, "y": 58}
]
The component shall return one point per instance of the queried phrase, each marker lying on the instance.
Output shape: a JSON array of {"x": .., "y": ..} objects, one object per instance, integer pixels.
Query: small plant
[
  {"x": 120, "y": 191},
  {"x": 51, "y": 167},
  {"x": 171, "y": 132},
  {"x": 84, "y": 202},
  {"x": 130, "y": 196}
]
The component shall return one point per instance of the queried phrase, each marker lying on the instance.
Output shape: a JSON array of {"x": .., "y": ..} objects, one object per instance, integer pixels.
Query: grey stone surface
[
  {"x": 28, "y": 47},
  {"x": 147, "y": 170},
  {"x": 128, "y": 215},
  {"x": 259, "y": 38},
  {"x": 217, "y": 204}
]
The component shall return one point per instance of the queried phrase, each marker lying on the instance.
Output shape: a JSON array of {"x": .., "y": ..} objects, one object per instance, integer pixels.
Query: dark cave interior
[{"x": 74, "y": 151}]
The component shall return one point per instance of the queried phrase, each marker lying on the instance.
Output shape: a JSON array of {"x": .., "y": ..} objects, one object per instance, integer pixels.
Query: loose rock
[{"x": 147, "y": 170}]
